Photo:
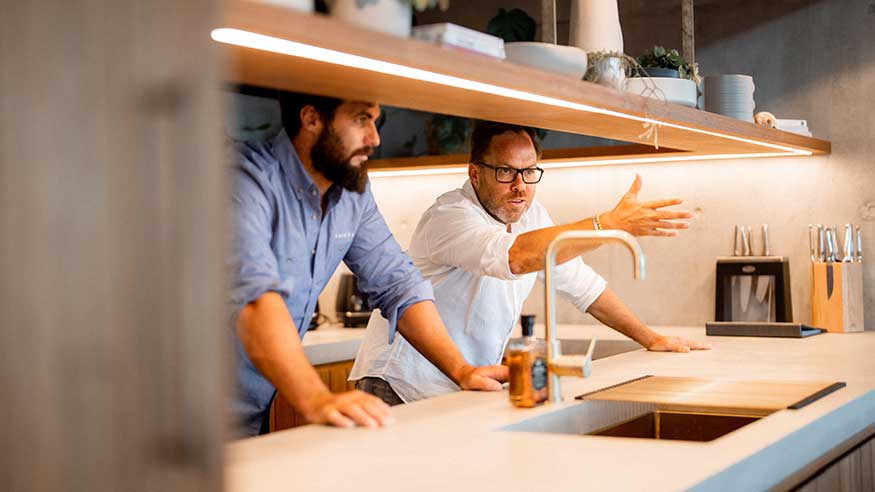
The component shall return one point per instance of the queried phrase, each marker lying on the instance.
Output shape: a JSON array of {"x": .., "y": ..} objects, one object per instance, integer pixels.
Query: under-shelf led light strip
[
  {"x": 283, "y": 46},
  {"x": 463, "y": 168}
]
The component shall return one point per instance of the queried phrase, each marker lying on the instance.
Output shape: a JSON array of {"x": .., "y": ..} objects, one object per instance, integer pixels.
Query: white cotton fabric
[{"x": 463, "y": 251}]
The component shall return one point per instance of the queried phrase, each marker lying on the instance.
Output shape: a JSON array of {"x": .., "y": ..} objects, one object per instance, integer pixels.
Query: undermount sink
[
  {"x": 634, "y": 420},
  {"x": 678, "y": 426}
]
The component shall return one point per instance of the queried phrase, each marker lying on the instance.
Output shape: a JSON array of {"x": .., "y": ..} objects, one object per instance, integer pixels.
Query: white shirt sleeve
[{"x": 458, "y": 235}]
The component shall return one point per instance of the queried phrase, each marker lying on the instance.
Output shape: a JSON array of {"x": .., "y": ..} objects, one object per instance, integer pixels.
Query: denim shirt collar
[{"x": 301, "y": 182}]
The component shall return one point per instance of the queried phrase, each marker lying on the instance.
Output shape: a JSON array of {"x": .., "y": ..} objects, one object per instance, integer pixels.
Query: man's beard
[{"x": 328, "y": 158}]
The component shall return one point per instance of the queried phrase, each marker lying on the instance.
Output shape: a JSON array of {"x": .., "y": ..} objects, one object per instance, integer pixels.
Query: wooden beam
[{"x": 688, "y": 37}]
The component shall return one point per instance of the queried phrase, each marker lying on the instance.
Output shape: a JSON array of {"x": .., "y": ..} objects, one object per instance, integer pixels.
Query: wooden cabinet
[
  {"x": 334, "y": 375},
  {"x": 852, "y": 472}
]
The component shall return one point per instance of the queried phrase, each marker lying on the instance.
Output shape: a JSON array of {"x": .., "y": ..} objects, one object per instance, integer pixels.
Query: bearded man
[{"x": 301, "y": 204}]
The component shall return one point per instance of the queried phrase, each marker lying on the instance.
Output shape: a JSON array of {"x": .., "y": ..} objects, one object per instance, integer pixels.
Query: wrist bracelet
[{"x": 596, "y": 223}]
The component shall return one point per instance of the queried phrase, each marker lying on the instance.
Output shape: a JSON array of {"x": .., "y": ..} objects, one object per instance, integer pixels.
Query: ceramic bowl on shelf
[
  {"x": 565, "y": 60},
  {"x": 675, "y": 90}
]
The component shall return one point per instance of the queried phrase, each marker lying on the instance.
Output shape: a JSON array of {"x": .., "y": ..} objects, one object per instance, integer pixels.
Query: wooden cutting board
[{"x": 712, "y": 395}]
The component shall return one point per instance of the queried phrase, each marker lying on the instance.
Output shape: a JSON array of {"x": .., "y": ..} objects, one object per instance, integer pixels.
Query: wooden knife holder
[{"x": 837, "y": 307}]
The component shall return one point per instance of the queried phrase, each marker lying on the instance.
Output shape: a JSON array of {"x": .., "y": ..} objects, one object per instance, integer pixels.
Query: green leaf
[{"x": 512, "y": 26}]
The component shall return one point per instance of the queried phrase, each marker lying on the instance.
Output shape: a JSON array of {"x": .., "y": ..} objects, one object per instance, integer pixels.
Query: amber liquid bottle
[{"x": 527, "y": 360}]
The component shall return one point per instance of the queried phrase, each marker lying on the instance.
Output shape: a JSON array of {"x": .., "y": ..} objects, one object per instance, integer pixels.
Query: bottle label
[{"x": 539, "y": 374}]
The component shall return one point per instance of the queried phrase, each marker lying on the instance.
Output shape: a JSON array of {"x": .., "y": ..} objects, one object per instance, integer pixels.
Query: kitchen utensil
[
  {"x": 744, "y": 283},
  {"x": 830, "y": 259},
  {"x": 811, "y": 246},
  {"x": 848, "y": 246},
  {"x": 859, "y": 249},
  {"x": 821, "y": 244},
  {"x": 736, "y": 246},
  {"x": 763, "y": 280}
]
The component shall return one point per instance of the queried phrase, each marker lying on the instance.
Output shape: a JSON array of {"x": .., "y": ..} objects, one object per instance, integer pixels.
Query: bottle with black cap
[{"x": 527, "y": 360}]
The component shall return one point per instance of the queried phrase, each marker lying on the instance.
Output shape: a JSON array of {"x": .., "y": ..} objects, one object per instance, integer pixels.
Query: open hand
[
  {"x": 347, "y": 409},
  {"x": 485, "y": 378},
  {"x": 676, "y": 344},
  {"x": 645, "y": 218}
]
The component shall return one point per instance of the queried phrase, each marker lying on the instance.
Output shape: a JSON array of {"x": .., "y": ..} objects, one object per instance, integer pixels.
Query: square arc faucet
[{"x": 575, "y": 365}]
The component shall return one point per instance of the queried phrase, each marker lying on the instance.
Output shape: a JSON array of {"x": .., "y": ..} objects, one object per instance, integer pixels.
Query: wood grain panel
[
  {"x": 112, "y": 207},
  {"x": 284, "y": 416}
]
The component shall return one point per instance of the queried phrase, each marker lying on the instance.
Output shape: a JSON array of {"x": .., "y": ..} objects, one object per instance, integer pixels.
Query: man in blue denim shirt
[{"x": 301, "y": 204}]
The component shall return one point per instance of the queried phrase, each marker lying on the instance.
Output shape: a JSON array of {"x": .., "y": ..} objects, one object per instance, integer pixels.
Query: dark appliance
[{"x": 352, "y": 305}]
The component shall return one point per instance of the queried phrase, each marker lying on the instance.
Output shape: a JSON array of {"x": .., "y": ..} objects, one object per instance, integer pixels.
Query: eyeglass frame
[{"x": 518, "y": 172}]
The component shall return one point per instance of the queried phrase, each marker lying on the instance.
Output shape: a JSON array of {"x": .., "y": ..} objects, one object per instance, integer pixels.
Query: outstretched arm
[{"x": 631, "y": 215}]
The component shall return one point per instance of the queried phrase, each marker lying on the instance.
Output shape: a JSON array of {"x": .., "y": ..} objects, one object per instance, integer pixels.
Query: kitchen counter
[
  {"x": 332, "y": 343},
  {"x": 455, "y": 442}
]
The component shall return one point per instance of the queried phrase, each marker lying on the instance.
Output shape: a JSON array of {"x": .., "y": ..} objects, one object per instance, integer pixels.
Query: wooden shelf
[{"x": 542, "y": 99}]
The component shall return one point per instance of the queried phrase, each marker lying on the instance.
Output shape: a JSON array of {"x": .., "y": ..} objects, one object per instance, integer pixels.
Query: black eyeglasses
[{"x": 506, "y": 174}]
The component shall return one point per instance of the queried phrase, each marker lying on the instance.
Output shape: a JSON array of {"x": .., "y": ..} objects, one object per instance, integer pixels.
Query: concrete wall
[{"x": 815, "y": 63}]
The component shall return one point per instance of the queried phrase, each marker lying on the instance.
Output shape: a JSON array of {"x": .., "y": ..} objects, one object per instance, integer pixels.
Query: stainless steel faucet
[{"x": 575, "y": 365}]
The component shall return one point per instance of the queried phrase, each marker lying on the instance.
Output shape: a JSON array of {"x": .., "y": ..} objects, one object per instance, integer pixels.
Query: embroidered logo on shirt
[{"x": 344, "y": 235}]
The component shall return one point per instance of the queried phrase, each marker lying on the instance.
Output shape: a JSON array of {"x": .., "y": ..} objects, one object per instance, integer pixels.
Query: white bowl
[
  {"x": 566, "y": 60},
  {"x": 677, "y": 91}
]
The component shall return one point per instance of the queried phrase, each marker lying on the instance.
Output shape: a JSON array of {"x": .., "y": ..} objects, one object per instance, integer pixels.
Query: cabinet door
[
  {"x": 334, "y": 375},
  {"x": 852, "y": 472}
]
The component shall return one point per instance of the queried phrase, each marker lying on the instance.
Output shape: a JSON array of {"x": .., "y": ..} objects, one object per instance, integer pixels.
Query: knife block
[
  {"x": 837, "y": 307},
  {"x": 775, "y": 267}
]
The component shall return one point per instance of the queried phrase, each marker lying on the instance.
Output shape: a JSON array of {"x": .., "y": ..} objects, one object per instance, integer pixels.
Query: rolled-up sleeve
[
  {"x": 458, "y": 236},
  {"x": 385, "y": 273},
  {"x": 253, "y": 265}
]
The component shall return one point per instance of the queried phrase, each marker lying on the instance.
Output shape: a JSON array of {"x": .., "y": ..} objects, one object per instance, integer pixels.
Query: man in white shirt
[{"x": 482, "y": 247}]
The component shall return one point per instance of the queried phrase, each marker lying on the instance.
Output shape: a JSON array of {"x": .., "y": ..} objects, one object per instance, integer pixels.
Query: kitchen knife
[
  {"x": 736, "y": 251},
  {"x": 744, "y": 283},
  {"x": 811, "y": 246},
  {"x": 763, "y": 280},
  {"x": 821, "y": 244},
  {"x": 859, "y": 246},
  {"x": 848, "y": 247}
]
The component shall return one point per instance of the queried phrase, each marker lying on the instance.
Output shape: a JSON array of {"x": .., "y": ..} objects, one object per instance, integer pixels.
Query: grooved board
[{"x": 723, "y": 395}]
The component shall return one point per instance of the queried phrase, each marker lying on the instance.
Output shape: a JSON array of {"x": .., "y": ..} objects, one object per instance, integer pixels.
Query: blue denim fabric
[{"x": 282, "y": 243}]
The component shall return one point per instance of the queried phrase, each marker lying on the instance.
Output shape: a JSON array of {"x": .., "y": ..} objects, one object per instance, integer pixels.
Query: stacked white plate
[{"x": 730, "y": 95}]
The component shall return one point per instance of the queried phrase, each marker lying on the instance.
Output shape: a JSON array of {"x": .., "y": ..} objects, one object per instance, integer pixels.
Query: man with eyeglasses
[{"x": 483, "y": 246}]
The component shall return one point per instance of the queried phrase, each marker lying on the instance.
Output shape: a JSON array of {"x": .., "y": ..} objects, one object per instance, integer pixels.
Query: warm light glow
[
  {"x": 588, "y": 163},
  {"x": 276, "y": 45}
]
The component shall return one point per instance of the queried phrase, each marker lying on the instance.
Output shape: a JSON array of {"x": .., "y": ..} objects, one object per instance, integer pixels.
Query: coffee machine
[{"x": 352, "y": 305}]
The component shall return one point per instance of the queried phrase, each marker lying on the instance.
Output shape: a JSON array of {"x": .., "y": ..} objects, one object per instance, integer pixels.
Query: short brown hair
[{"x": 484, "y": 131}]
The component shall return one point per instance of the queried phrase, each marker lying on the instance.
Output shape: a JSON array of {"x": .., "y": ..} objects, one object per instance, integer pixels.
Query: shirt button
[
  {"x": 313, "y": 192},
  {"x": 300, "y": 190},
  {"x": 315, "y": 217},
  {"x": 313, "y": 251}
]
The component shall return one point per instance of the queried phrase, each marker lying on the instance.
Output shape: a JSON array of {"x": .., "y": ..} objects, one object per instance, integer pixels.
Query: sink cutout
[
  {"x": 678, "y": 426},
  {"x": 636, "y": 420}
]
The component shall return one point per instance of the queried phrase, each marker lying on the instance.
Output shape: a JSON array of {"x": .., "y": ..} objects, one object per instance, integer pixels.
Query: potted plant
[
  {"x": 608, "y": 68},
  {"x": 389, "y": 16},
  {"x": 665, "y": 74},
  {"x": 660, "y": 62}
]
